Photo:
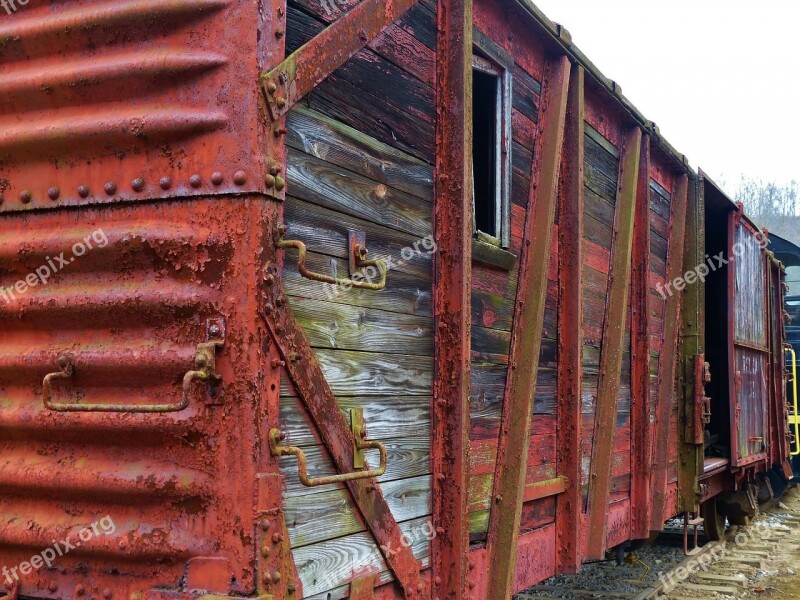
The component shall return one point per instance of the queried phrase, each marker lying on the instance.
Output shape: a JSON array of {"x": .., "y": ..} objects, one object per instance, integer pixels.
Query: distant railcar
[{"x": 357, "y": 298}]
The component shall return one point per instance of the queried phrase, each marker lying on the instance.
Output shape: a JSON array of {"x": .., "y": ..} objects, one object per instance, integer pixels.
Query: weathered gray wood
[
  {"x": 339, "y": 326},
  {"x": 325, "y": 231},
  {"x": 340, "y": 190},
  {"x": 386, "y": 417},
  {"x": 314, "y": 518},
  {"x": 407, "y": 456},
  {"x": 326, "y": 568},
  {"x": 404, "y": 293},
  {"x": 334, "y": 142},
  {"x": 352, "y": 373}
]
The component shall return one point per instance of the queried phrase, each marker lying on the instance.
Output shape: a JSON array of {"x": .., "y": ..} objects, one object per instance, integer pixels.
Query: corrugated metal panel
[
  {"x": 107, "y": 100},
  {"x": 130, "y": 311}
]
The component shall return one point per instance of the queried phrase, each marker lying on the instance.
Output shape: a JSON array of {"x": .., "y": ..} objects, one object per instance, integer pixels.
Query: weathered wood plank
[
  {"x": 386, "y": 418},
  {"x": 314, "y": 518},
  {"x": 326, "y": 568},
  {"x": 337, "y": 189},
  {"x": 326, "y": 232},
  {"x": 334, "y": 142},
  {"x": 352, "y": 373},
  {"x": 343, "y": 327},
  {"x": 405, "y": 294}
]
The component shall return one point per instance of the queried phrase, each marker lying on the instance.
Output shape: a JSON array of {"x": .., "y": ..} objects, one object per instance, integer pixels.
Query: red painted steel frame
[
  {"x": 570, "y": 327},
  {"x": 613, "y": 342},
  {"x": 669, "y": 353},
  {"x": 452, "y": 297},
  {"x": 512, "y": 451},
  {"x": 641, "y": 437}
]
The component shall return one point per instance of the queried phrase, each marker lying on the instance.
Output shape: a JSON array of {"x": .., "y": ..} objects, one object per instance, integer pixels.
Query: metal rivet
[
  {"x": 281, "y": 102},
  {"x": 25, "y": 196},
  {"x": 291, "y": 588},
  {"x": 83, "y": 191},
  {"x": 137, "y": 184},
  {"x": 80, "y": 590},
  {"x": 266, "y": 578},
  {"x": 123, "y": 544},
  {"x": 217, "y": 178},
  {"x": 275, "y": 168},
  {"x": 265, "y": 525},
  {"x": 195, "y": 180},
  {"x": 165, "y": 183},
  {"x": 437, "y": 580},
  {"x": 420, "y": 586},
  {"x": 53, "y": 193},
  {"x": 240, "y": 178},
  {"x": 110, "y": 188},
  {"x": 471, "y": 585},
  {"x": 277, "y": 537},
  {"x": 107, "y": 593},
  {"x": 276, "y": 577},
  {"x": 272, "y": 87},
  {"x": 52, "y": 586},
  {"x": 279, "y": 33},
  {"x": 270, "y": 181},
  {"x": 265, "y": 551},
  {"x": 279, "y": 183}
]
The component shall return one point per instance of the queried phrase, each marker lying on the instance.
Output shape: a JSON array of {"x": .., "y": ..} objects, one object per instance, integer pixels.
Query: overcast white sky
[{"x": 721, "y": 78}]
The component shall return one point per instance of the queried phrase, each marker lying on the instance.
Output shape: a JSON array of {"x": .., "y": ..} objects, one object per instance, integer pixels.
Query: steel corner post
[
  {"x": 452, "y": 296},
  {"x": 512, "y": 451}
]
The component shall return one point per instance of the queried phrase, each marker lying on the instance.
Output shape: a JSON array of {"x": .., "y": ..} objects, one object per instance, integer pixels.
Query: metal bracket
[
  {"x": 205, "y": 363},
  {"x": 277, "y": 449},
  {"x": 360, "y": 276}
]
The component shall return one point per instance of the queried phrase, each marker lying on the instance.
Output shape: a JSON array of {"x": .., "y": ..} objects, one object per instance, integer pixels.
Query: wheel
[
  {"x": 713, "y": 521},
  {"x": 742, "y": 520}
]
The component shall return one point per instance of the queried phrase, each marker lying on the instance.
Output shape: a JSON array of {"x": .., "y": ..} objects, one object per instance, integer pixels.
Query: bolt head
[
  {"x": 214, "y": 330},
  {"x": 272, "y": 87},
  {"x": 281, "y": 102},
  {"x": 217, "y": 178},
  {"x": 25, "y": 196},
  {"x": 110, "y": 188},
  {"x": 195, "y": 180},
  {"x": 83, "y": 191},
  {"x": 165, "y": 183},
  {"x": 53, "y": 193},
  {"x": 137, "y": 184},
  {"x": 240, "y": 178}
]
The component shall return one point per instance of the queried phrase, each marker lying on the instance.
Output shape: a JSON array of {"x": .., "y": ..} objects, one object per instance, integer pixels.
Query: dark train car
[{"x": 339, "y": 298}]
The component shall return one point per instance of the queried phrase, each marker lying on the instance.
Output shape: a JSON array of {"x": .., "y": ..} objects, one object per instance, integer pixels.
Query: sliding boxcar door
[{"x": 750, "y": 358}]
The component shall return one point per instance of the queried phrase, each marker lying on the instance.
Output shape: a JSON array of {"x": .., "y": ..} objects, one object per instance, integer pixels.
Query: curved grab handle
[
  {"x": 275, "y": 436},
  {"x": 360, "y": 261},
  {"x": 205, "y": 368}
]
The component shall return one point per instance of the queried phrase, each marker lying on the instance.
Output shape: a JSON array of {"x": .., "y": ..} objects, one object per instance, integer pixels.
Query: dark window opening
[{"x": 485, "y": 150}]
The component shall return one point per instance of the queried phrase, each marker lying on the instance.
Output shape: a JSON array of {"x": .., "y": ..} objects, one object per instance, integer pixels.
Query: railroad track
[{"x": 733, "y": 568}]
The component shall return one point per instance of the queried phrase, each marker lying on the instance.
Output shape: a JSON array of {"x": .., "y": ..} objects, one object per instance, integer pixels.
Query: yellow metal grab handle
[
  {"x": 795, "y": 419},
  {"x": 278, "y": 449},
  {"x": 361, "y": 262},
  {"x": 205, "y": 369}
]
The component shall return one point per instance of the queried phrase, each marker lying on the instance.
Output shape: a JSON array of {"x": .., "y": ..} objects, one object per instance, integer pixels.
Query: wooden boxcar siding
[
  {"x": 493, "y": 296},
  {"x": 660, "y": 235},
  {"x": 600, "y": 193},
  {"x": 360, "y": 159}
]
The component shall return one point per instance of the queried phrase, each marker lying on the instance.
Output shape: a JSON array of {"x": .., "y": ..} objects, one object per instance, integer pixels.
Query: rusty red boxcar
[{"x": 355, "y": 298}]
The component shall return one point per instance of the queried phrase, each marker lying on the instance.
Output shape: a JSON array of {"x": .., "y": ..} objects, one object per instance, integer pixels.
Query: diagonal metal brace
[{"x": 315, "y": 60}]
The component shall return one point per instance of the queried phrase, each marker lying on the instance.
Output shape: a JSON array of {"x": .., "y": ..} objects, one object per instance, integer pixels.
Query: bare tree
[{"x": 773, "y": 206}]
